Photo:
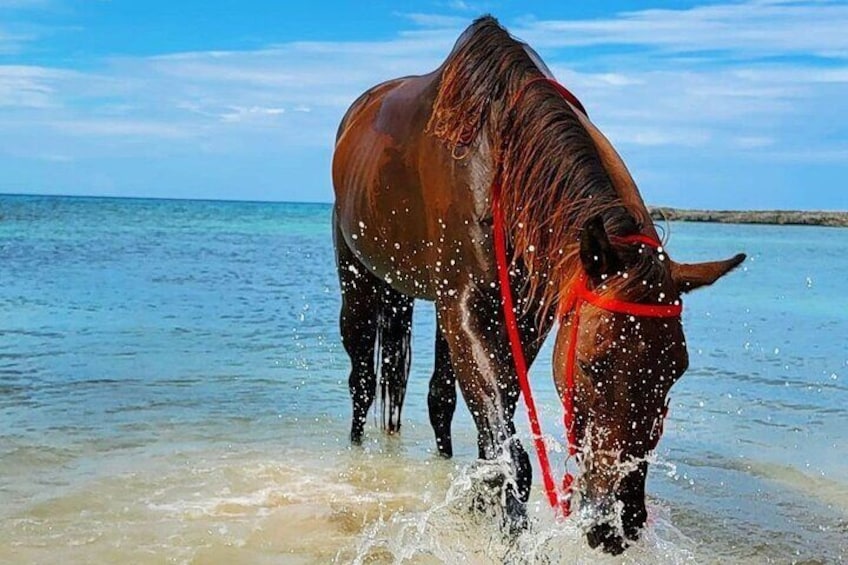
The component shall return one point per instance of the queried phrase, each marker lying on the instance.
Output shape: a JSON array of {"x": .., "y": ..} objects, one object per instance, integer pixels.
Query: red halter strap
[
  {"x": 578, "y": 296},
  {"x": 563, "y": 91}
]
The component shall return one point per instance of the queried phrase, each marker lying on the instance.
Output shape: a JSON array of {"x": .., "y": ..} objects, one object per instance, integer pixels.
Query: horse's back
[
  {"x": 382, "y": 207},
  {"x": 391, "y": 114},
  {"x": 373, "y": 94}
]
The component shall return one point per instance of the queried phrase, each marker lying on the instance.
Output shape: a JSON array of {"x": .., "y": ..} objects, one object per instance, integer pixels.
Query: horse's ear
[
  {"x": 689, "y": 276},
  {"x": 596, "y": 252}
]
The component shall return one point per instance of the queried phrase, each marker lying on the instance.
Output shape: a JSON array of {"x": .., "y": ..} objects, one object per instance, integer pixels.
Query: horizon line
[{"x": 328, "y": 203}]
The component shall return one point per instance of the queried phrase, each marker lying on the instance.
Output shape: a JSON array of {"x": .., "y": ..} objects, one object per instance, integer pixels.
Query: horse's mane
[{"x": 551, "y": 177}]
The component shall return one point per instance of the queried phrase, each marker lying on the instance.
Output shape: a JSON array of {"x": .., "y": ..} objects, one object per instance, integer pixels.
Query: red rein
[{"x": 579, "y": 295}]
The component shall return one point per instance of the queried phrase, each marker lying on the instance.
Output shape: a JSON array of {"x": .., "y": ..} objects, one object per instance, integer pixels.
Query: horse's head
[{"x": 616, "y": 368}]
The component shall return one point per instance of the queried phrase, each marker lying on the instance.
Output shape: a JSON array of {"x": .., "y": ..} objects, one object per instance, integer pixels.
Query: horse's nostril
[{"x": 605, "y": 536}]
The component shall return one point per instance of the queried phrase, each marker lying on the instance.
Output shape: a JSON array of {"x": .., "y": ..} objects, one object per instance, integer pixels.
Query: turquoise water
[{"x": 172, "y": 387}]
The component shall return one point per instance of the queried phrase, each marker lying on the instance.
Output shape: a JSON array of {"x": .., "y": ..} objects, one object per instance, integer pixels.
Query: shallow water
[{"x": 172, "y": 388}]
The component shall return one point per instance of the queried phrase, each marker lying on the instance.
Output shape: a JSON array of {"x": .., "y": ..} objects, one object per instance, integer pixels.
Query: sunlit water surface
[{"x": 173, "y": 389}]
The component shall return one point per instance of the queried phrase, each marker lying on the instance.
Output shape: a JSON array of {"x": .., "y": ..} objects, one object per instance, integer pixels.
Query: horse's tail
[{"x": 394, "y": 355}]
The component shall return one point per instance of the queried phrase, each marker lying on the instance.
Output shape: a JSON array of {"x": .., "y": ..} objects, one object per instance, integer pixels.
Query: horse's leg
[
  {"x": 395, "y": 330},
  {"x": 358, "y": 323},
  {"x": 483, "y": 365},
  {"x": 481, "y": 359},
  {"x": 441, "y": 400},
  {"x": 373, "y": 315}
]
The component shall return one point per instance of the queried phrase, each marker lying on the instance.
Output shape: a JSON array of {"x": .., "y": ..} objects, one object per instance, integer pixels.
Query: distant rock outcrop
[{"x": 779, "y": 217}]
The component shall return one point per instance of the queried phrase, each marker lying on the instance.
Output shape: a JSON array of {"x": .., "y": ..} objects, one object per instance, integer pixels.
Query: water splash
[{"x": 455, "y": 530}]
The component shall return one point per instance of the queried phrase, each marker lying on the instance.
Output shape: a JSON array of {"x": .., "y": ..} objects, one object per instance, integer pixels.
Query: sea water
[{"x": 173, "y": 389}]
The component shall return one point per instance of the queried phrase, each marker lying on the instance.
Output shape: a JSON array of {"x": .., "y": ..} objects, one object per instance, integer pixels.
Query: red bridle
[{"x": 577, "y": 296}]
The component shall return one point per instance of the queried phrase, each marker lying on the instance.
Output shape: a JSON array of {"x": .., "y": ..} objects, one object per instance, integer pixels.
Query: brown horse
[{"x": 414, "y": 168}]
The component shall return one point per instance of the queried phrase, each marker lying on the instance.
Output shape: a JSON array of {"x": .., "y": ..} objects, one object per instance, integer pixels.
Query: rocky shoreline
[{"x": 778, "y": 217}]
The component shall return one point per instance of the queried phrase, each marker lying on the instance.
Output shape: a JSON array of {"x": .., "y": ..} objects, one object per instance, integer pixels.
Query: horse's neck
[{"x": 620, "y": 176}]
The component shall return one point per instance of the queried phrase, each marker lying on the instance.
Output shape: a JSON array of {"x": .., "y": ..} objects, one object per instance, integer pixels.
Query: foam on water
[
  {"x": 452, "y": 531},
  {"x": 351, "y": 506},
  {"x": 379, "y": 504}
]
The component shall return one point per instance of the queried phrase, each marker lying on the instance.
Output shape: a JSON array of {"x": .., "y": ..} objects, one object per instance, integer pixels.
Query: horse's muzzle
[
  {"x": 604, "y": 531},
  {"x": 605, "y": 535}
]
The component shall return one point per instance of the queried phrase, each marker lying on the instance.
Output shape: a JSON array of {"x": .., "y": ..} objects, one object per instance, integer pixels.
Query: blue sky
[{"x": 722, "y": 105}]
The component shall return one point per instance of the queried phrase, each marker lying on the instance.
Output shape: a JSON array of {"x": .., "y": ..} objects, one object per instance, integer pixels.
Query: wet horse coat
[{"x": 415, "y": 162}]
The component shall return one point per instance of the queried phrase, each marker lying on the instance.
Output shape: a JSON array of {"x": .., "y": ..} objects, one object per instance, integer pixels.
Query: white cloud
[
  {"x": 436, "y": 20},
  {"x": 752, "y": 142},
  {"x": 30, "y": 86},
  {"x": 462, "y": 6},
  {"x": 13, "y": 41},
  {"x": 126, "y": 128},
  {"x": 702, "y": 78},
  {"x": 56, "y": 158},
  {"x": 653, "y": 136},
  {"x": 254, "y": 113},
  {"x": 751, "y": 28},
  {"x": 24, "y": 3},
  {"x": 816, "y": 155},
  {"x": 14, "y": 35}
]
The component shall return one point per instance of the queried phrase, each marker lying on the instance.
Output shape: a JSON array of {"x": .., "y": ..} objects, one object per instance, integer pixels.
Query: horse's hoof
[
  {"x": 444, "y": 448},
  {"x": 497, "y": 498},
  {"x": 515, "y": 515}
]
